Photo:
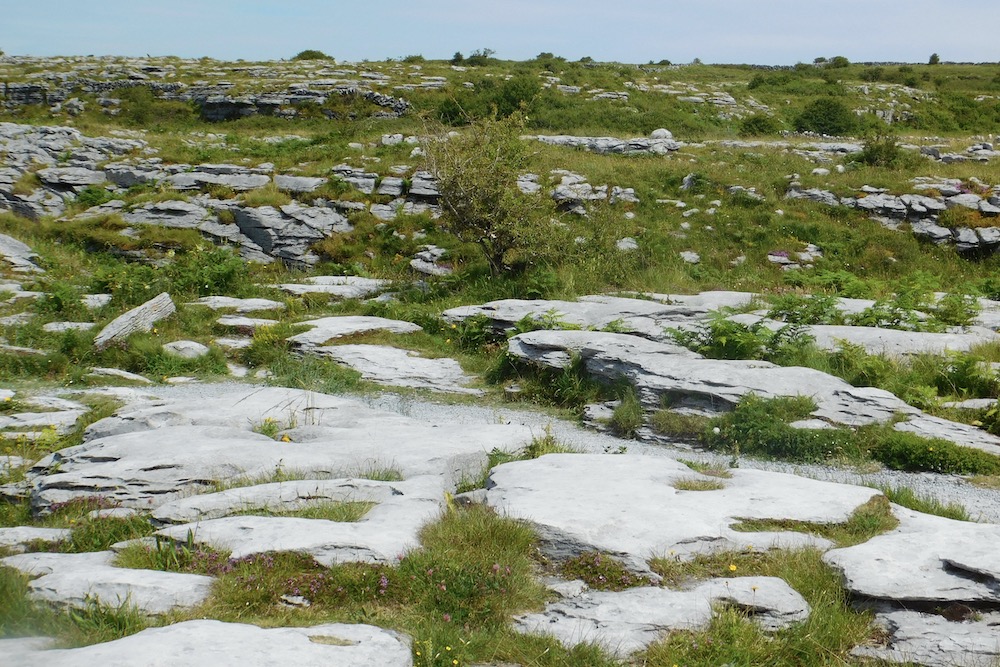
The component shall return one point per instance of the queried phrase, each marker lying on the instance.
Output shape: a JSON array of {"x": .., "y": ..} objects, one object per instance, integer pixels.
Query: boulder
[
  {"x": 141, "y": 318},
  {"x": 328, "y": 328}
]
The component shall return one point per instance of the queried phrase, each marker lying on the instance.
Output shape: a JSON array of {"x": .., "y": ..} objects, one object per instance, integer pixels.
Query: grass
[
  {"x": 696, "y": 484},
  {"x": 346, "y": 512},
  {"x": 909, "y": 498}
]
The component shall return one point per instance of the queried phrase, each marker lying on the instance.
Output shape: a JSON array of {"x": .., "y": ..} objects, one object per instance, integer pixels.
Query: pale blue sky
[{"x": 633, "y": 31}]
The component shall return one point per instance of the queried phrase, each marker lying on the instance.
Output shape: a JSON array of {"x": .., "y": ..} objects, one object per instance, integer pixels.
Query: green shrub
[
  {"x": 477, "y": 178},
  {"x": 906, "y": 451},
  {"x": 880, "y": 149},
  {"x": 759, "y": 124},
  {"x": 311, "y": 54},
  {"x": 722, "y": 338},
  {"x": 805, "y": 309},
  {"x": 93, "y": 196},
  {"x": 827, "y": 115}
]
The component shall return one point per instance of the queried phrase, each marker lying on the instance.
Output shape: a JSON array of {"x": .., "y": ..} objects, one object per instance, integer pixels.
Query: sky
[{"x": 766, "y": 32}]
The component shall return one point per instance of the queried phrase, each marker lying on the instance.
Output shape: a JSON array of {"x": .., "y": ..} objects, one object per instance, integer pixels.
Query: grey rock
[
  {"x": 385, "y": 533},
  {"x": 70, "y": 177},
  {"x": 170, "y": 213},
  {"x": 245, "y": 324},
  {"x": 391, "y": 186},
  {"x": 577, "y": 503},
  {"x": 199, "y": 180},
  {"x": 298, "y": 184},
  {"x": 659, "y": 369},
  {"x": 186, "y": 349},
  {"x": 690, "y": 257},
  {"x": 343, "y": 287},
  {"x": 424, "y": 186},
  {"x": 935, "y": 233},
  {"x": 75, "y": 579},
  {"x": 394, "y": 367},
  {"x": 141, "y": 318},
  {"x": 934, "y": 641},
  {"x": 153, "y": 453},
  {"x": 627, "y": 244},
  {"x": 119, "y": 374},
  {"x": 925, "y": 559},
  {"x": 356, "y": 178},
  {"x": 207, "y": 643},
  {"x": 19, "y": 255},
  {"x": 239, "y": 305},
  {"x": 612, "y": 145},
  {"x": 328, "y": 328},
  {"x": 17, "y": 539},
  {"x": 628, "y": 621},
  {"x": 58, "y": 327},
  {"x": 968, "y": 200}
]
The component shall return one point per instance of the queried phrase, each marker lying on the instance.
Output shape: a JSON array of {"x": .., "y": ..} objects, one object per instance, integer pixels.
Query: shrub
[
  {"x": 628, "y": 414},
  {"x": 759, "y": 124},
  {"x": 906, "y": 451},
  {"x": 722, "y": 338},
  {"x": 311, "y": 54},
  {"x": 477, "y": 177},
  {"x": 880, "y": 149},
  {"x": 827, "y": 115}
]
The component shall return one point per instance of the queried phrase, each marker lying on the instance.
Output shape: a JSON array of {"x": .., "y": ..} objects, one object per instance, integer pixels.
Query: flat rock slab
[
  {"x": 934, "y": 641},
  {"x": 19, "y": 255},
  {"x": 186, "y": 349},
  {"x": 394, "y": 367},
  {"x": 342, "y": 287},
  {"x": 141, "y": 318},
  {"x": 155, "y": 452},
  {"x": 646, "y": 317},
  {"x": 628, "y": 621},
  {"x": 245, "y": 324},
  {"x": 280, "y": 497},
  {"x": 17, "y": 538},
  {"x": 891, "y": 342},
  {"x": 328, "y": 328},
  {"x": 75, "y": 579},
  {"x": 627, "y": 506},
  {"x": 386, "y": 532},
  {"x": 925, "y": 559},
  {"x": 216, "y": 644},
  {"x": 662, "y": 369},
  {"x": 239, "y": 305}
]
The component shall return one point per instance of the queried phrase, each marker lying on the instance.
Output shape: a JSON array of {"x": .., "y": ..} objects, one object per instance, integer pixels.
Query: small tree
[
  {"x": 935, "y": 59},
  {"x": 458, "y": 58},
  {"x": 838, "y": 62},
  {"x": 477, "y": 173}
]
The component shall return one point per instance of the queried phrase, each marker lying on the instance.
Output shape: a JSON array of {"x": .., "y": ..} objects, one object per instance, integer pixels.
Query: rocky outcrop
[{"x": 141, "y": 318}]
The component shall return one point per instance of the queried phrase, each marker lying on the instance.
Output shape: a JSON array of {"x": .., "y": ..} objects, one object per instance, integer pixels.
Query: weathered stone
[
  {"x": 19, "y": 255},
  {"x": 186, "y": 349},
  {"x": 661, "y": 369},
  {"x": 75, "y": 580},
  {"x": 59, "y": 327},
  {"x": 153, "y": 453},
  {"x": 326, "y": 329},
  {"x": 207, "y": 643},
  {"x": 385, "y": 533},
  {"x": 141, "y": 318},
  {"x": 934, "y": 641},
  {"x": 170, "y": 213},
  {"x": 628, "y": 621},
  {"x": 401, "y": 368},
  {"x": 239, "y": 305},
  {"x": 118, "y": 373},
  {"x": 298, "y": 184},
  {"x": 575, "y": 502},
  {"x": 245, "y": 324},
  {"x": 343, "y": 287},
  {"x": 17, "y": 539},
  {"x": 925, "y": 559},
  {"x": 198, "y": 180},
  {"x": 70, "y": 177}
]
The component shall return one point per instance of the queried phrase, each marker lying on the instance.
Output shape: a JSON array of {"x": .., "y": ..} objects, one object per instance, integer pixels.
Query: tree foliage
[{"x": 477, "y": 173}]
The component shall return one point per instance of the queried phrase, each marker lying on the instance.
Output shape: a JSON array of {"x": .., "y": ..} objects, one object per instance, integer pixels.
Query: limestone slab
[
  {"x": 934, "y": 641},
  {"x": 925, "y": 559},
  {"x": 208, "y": 643},
  {"x": 628, "y": 621},
  {"x": 327, "y": 328},
  {"x": 383, "y": 535},
  {"x": 141, "y": 318},
  {"x": 75, "y": 579},
  {"x": 628, "y": 506},
  {"x": 395, "y": 367}
]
